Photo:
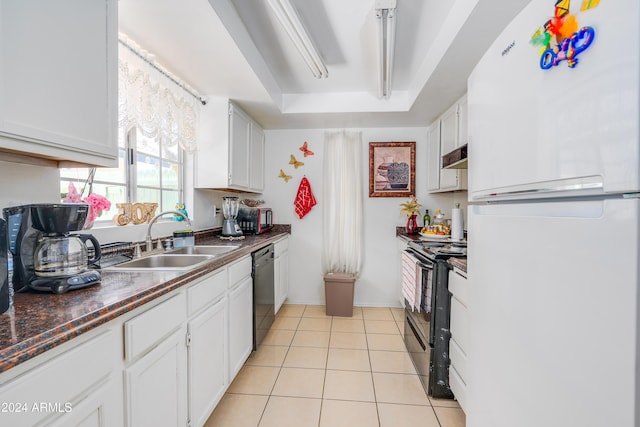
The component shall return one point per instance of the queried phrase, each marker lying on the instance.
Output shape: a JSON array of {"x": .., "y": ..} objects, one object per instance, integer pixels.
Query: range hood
[{"x": 457, "y": 159}]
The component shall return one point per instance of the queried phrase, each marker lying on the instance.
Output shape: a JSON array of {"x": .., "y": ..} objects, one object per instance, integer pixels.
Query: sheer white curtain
[
  {"x": 342, "y": 202},
  {"x": 153, "y": 103}
]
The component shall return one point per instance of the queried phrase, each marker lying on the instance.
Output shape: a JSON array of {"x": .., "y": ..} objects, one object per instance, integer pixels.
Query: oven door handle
[
  {"x": 416, "y": 335},
  {"x": 425, "y": 266},
  {"x": 415, "y": 255}
]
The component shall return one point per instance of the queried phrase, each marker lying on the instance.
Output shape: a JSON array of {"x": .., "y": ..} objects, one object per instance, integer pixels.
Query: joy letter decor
[{"x": 138, "y": 213}]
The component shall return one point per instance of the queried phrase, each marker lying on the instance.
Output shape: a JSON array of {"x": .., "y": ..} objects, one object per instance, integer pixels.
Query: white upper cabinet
[
  {"x": 463, "y": 121},
  {"x": 230, "y": 152},
  {"x": 256, "y": 175},
  {"x": 433, "y": 154},
  {"x": 448, "y": 142},
  {"x": 239, "y": 148},
  {"x": 58, "y": 80},
  {"x": 445, "y": 135}
]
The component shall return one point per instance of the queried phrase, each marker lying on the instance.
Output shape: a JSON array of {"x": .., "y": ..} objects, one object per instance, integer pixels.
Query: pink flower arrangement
[{"x": 96, "y": 202}]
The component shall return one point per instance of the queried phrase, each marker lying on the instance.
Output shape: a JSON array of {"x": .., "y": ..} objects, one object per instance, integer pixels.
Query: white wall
[
  {"x": 378, "y": 284},
  {"x": 24, "y": 183},
  {"x": 27, "y": 183}
]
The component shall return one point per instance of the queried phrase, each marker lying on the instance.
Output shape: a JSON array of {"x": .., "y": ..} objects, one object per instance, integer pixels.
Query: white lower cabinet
[
  {"x": 182, "y": 379},
  {"x": 240, "y": 313},
  {"x": 180, "y": 355},
  {"x": 80, "y": 386},
  {"x": 208, "y": 378},
  {"x": 156, "y": 377},
  {"x": 240, "y": 325},
  {"x": 281, "y": 272},
  {"x": 156, "y": 385},
  {"x": 94, "y": 410},
  {"x": 459, "y": 289}
]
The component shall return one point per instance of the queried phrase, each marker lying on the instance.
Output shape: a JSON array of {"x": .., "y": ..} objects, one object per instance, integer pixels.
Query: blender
[
  {"x": 230, "y": 227},
  {"x": 60, "y": 259}
]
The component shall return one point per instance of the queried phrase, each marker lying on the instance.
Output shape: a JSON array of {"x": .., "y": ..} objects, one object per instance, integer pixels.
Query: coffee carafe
[
  {"x": 230, "y": 207},
  {"x": 63, "y": 255}
]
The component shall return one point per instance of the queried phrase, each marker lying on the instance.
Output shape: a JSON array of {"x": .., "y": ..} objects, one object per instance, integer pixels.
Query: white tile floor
[{"x": 314, "y": 370}]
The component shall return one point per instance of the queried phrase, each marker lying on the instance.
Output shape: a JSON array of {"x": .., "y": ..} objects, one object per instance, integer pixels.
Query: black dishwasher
[{"x": 263, "y": 293}]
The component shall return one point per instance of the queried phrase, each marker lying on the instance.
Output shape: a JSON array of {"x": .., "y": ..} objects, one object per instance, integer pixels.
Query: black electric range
[
  {"x": 426, "y": 328},
  {"x": 439, "y": 250}
]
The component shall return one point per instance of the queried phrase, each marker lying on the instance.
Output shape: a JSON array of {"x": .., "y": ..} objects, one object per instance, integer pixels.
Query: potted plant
[{"x": 411, "y": 208}]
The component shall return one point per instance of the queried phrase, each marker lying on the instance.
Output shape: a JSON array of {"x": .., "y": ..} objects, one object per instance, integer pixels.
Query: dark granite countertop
[
  {"x": 401, "y": 232},
  {"x": 459, "y": 262},
  {"x": 38, "y": 322}
]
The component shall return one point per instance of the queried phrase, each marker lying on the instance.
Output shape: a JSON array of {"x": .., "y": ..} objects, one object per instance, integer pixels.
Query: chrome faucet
[{"x": 149, "y": 242}]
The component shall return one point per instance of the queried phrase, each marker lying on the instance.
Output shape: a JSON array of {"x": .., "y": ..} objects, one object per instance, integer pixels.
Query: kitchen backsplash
[{"x": 24, "y": 183}]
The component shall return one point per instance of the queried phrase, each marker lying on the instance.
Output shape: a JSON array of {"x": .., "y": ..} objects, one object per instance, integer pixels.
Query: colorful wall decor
[
  {"x": 560, "y": 38},
  {"x": 305, "y": 149},
  {"x": 392, "y": 169},
  {"x": 296, "y": 164},
  {"x": 284, "y": 176}
]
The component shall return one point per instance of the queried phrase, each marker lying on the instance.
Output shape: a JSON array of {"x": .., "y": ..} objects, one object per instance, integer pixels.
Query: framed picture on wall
[{"x": 392, "y": 169}]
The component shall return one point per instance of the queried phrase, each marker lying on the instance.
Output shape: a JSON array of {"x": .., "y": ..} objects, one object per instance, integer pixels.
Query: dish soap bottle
[
  {"x": 426, "y": 218},
  {"x": 438, "y": 217},
  {"x": 438, "y": 222}
]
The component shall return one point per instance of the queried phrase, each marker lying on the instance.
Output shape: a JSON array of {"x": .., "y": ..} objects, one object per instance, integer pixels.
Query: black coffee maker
[
  {"x": 46, "y": 256},
  {"x": 6, "y": 289},
  {"x": 22, "y": 239}
]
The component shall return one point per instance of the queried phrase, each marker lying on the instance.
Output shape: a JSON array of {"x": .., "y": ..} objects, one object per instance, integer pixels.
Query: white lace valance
[{"x": 151, "y": 101}]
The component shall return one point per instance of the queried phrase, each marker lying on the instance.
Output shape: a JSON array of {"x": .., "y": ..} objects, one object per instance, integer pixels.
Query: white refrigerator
[{"x": 554, "y": 220}]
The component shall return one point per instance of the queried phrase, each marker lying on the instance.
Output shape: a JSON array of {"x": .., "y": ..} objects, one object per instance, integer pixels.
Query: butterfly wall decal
[
  {"x": 305, "y": 149},
  {"x": 284, "y": 176},
  {"x": 296, "y": 164}
]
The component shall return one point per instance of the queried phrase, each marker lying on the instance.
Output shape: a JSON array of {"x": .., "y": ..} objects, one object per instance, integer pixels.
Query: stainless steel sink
[
  {"x": 165, "y": 262},
  {"x": 204, "y": 250}
]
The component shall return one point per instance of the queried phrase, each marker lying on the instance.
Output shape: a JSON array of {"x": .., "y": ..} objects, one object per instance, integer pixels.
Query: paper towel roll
[{"x": 457, "y": 224}]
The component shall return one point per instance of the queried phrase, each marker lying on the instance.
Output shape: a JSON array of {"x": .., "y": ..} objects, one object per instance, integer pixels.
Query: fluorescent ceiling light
[
  {"x": 293, "y": 26},
  {"x": 386, "y": 17}
]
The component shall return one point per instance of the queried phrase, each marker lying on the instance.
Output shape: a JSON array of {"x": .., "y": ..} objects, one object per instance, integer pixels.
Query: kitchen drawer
[
  {"x": 459, "y": 388},
  {"x": 280, "y": 247},
  {"x": 458, "y": 358},
  {"x": 460, "y": 323},
  {"x": 64, "y": 379},
  {"x": 239, "y": 270},
  {"x": 149, "y": 328},
  {"x": 459, "y": 287},
  {"x": 207, "y": 291}
]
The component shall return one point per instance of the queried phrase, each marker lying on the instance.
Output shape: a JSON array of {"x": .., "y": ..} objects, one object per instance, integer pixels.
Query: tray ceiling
[{"x": 237, "y": 49}]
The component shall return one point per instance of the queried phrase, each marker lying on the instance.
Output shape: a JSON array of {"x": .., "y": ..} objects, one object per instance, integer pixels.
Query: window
[
  {"x": 149, "y": 170},
  {"x": 157, "y": 170},
  {"x": 157, "y": 117}
]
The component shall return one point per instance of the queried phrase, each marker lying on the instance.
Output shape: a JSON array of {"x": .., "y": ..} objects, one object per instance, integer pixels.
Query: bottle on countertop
[
  {"x": 426, "y": 218},
  {"x": 440, "y": 224},
  {"x": 438, "y": 218}
]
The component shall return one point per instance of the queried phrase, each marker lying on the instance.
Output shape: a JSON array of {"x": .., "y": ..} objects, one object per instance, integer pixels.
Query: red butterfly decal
[{"x": 306, "y": 150}]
